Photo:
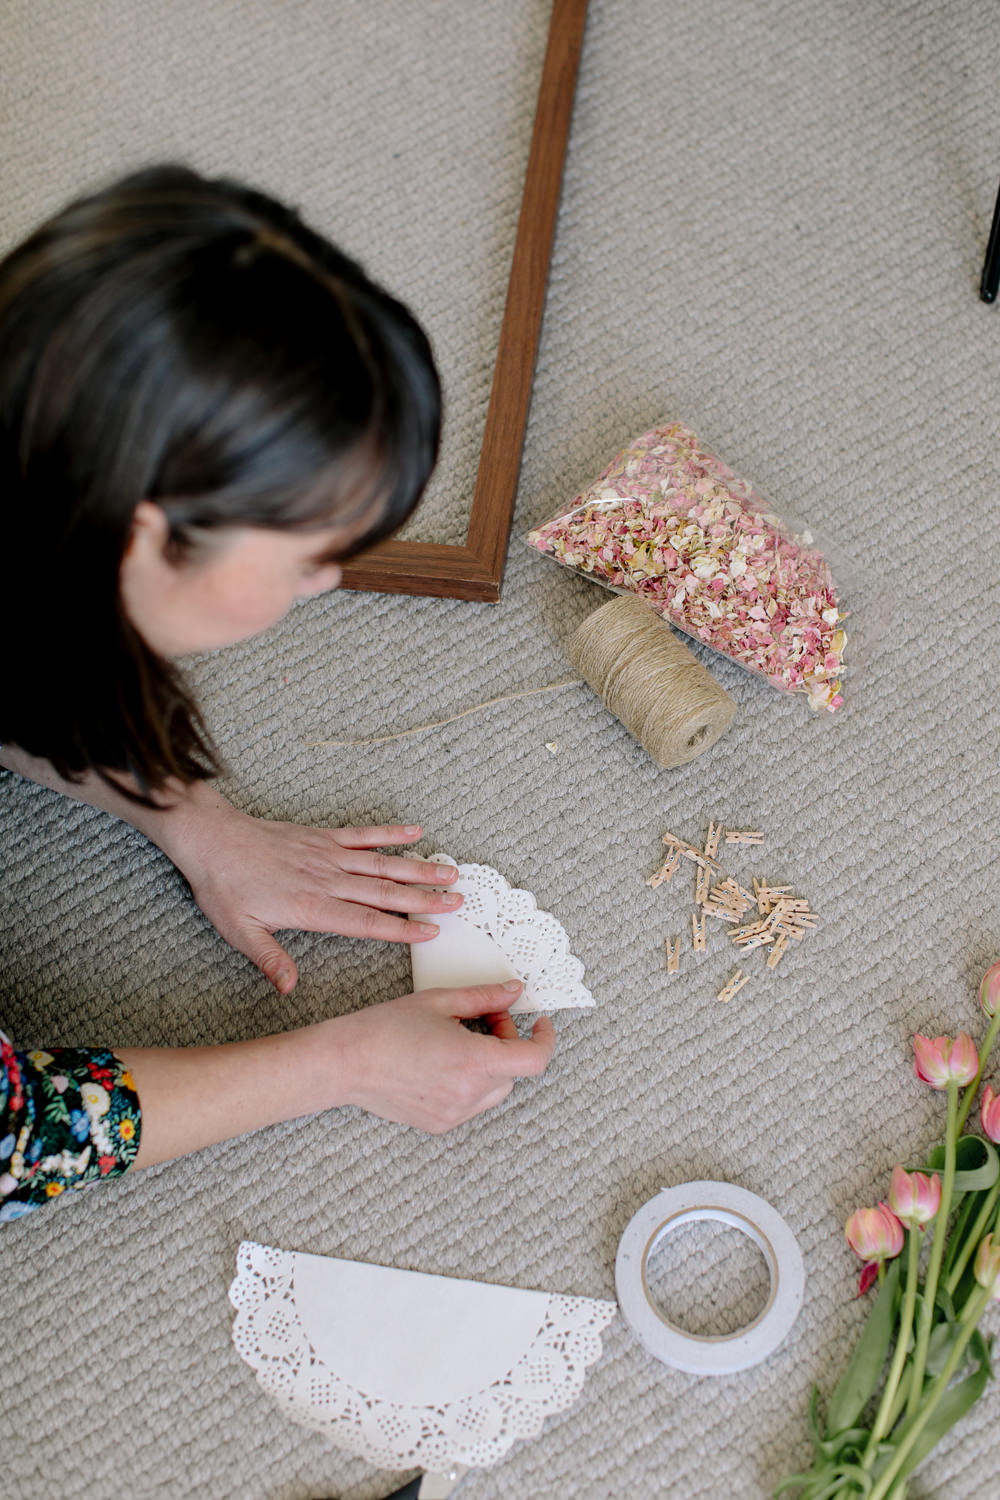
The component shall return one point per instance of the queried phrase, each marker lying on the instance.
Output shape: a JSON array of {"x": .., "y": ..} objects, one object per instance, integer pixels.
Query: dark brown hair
[{"x": 189, "y": 341}]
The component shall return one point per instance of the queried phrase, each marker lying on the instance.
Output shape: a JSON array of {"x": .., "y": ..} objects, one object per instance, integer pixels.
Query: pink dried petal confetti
[{"x": 667, "y": 520}]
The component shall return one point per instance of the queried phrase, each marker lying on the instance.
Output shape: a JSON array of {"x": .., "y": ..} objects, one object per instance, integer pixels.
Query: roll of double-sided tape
[{"x": 696, "y": 1353}]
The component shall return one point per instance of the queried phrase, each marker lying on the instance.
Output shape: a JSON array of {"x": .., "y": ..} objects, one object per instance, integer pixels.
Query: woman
[{"x": 204, "y": 409}]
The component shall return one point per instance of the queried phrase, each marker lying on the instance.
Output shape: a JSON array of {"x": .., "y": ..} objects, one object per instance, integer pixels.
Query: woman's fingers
[
  {"x": 381, "y": 866},
  {"x": 502, "y": 1025},
  {"x": 389, "y": 896},
  {"x": 513, "y": 1056},
  {"x": 524, "y": 1057},
  {"x": 355, "y": 919},
  {"x": 475, "y": 1000},
  {"x": 271, "y": 959},
  {"x": 389, "y": 834}
]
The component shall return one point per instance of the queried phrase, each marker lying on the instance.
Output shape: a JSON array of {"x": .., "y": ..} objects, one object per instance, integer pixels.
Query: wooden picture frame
[{"x": 475, "y": 570}]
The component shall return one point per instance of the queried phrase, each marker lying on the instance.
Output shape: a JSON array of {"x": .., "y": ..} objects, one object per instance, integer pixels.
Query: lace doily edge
[
  {"x": 248, "y": 1296},
  {"x": 582, "y": 998}
]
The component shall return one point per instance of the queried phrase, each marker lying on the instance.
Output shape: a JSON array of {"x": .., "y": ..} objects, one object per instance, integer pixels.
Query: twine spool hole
[{"x": 650, "y": 681}]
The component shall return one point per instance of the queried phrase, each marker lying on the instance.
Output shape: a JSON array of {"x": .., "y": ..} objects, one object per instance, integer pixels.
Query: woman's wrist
[
  {"x": 193, "y": 1097},
  {"x": 184, "y": 827},
  {"x": 186, "y": 820}
]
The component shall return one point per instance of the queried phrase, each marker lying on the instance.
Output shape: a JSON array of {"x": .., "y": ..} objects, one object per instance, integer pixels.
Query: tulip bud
[
  {"x": 914, "y": 1197},
  {"x": 874, "y": 1233},
  {"x": 989, "y": 990},
  {"x": 943, "y": 1061},
  {"x": 987, "y": 1266},
  {"x": 989, "y": 1113}
]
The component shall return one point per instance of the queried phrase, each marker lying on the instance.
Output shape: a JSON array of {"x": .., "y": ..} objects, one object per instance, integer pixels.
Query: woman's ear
[{"x": 150, "y": 531}]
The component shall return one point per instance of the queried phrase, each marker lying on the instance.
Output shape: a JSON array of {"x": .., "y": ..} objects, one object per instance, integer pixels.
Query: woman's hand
[
  {"x": 410, "y": 1060},
  {"x": 252, "y": 877}
]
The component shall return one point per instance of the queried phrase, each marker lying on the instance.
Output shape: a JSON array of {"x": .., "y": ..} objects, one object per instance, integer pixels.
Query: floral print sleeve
[{"x": 67, "y": 1117}]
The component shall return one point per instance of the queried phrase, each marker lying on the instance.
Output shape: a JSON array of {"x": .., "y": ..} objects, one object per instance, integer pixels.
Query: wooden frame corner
[{"x": 475, "y": 570}]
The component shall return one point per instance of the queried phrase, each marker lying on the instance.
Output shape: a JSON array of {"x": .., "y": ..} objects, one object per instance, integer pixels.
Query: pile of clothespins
[{"x": 779, "y": 917}]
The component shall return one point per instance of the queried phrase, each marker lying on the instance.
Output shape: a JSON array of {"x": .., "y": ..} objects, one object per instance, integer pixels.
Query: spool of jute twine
[{"x": 650, "y": 681}]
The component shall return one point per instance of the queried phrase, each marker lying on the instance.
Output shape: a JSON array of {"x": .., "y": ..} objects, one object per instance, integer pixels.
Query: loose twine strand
[
  {"x": 385, "y": 739},
  {"x": 640, "y": 671}
]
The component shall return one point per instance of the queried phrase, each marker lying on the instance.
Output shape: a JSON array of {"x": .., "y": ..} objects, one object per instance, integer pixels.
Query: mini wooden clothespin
[
  {"x": 673, "y": 955},
  {"x": 744, "y": 835},
  {"x": 697, "y": 933},
  {"x": 778, "y": 951},
  {"x": 667, "y": 868},
  {"x": 700, "y": 859},
  {"x": 732, "y": 985},
  {"x": 703, "y": 885},
  {"x": 712, "y": 841}
]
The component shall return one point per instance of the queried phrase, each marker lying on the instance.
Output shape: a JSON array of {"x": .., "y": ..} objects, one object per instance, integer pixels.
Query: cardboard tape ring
[{"x": 700, "y": 1354}]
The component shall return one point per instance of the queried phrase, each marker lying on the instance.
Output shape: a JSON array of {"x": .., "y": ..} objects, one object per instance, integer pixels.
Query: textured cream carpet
[{"x": 772, "y": 226}]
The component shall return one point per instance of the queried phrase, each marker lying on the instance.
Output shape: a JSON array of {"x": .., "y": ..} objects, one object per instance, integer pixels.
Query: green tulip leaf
[
  {"x": 964, "y": 1220},
  {"x": 815, "y": 1431},
  {"x": 977, "y": 1165},
  {"x": 966, "y": 1287},
  {"x": 846, "y": 1446},
  {"x": 809, "y": 1482},
  {"x": 956, "y": 1401},
  {"x": 944, "y": 1304},
  {"x": 858, "y": 1480},
  {"x": 858, "y": 1382},
  {"x": 828, "y": 1481},
  {"x": 942, "y": 1341}
]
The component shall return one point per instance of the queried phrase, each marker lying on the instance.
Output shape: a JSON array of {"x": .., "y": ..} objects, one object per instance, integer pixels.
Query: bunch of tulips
[{"x": 881, "y": 1423}]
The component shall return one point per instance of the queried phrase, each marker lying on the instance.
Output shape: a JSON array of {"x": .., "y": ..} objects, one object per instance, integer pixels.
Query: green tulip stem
[
  {"x": 972, "y": 1240},
  {"x": 957, "y": 1235},
  {"x": 967, "y": 1325},
  {"x": 883, "y": 1416},
  {"x": 937, "y": 1251},
  {"x": 984, "y": 1057},
  {"x": 900, "y": 1398}
]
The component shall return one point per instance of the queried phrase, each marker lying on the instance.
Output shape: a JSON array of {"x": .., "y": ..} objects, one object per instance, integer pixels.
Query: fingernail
[
  {"x": 445, "y": 872},
  {"x": 454, "y": 900},
  {"x": 281, "y": 978},
  {"x": 412, "y": 829},
  {"x": 432, "y": 931},
  {"x": 512, "y": 986}
]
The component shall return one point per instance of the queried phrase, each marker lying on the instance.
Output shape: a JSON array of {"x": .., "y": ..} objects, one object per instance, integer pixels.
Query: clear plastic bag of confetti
[{"x": 668, "y": 521}]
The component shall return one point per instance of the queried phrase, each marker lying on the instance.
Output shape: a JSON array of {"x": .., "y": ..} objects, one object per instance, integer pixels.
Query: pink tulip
[
  {"x": 989, "y": 1113},
  {"x": 989, "y": 990},
  {"x": 943, "y": 1061},
  {"x": 987, "y": 1266},
  {"x": 914, "y": 1197},
  {"x": 874, "y": 1233}
]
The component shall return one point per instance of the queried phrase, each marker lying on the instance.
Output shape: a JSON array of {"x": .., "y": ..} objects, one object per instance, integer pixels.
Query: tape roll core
[{"x": 701, "y": 1354}]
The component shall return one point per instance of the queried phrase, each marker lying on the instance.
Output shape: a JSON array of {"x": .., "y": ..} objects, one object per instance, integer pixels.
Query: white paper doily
[
  {"x": 499, "y": 933},
  {"x": 406, "y": 1369}
]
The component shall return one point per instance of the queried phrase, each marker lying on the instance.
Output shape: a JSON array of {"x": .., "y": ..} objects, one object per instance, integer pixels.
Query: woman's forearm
[
  {"x": 410, "y": 1060},
  {"x": 192, "y": 1097},
  {"x": 75, "y": 1115},
  {"x": 167, "y": 826},
  {"x": 254, "y": 876}
]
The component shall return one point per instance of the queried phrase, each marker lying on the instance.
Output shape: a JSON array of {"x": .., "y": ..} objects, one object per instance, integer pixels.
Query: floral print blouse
[{"x": 67, "y": 1118}]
